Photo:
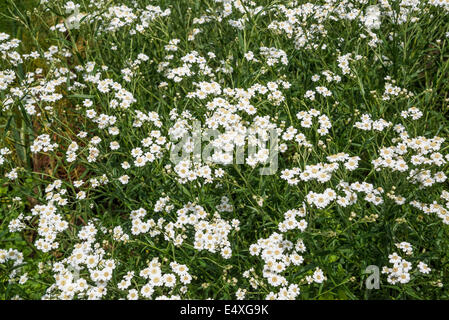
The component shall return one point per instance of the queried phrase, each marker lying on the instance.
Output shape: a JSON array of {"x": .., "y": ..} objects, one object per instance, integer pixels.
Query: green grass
[{"x": 340, "y": 241}]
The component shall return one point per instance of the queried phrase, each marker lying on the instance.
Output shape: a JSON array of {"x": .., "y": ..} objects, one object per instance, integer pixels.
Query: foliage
[{"x": 95, "y": 94}]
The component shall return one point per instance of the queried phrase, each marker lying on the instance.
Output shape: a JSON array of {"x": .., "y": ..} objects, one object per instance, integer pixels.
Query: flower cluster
[{"x": 160, "y": 151}]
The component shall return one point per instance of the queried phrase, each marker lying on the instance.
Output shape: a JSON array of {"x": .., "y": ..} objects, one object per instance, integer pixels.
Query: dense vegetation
[{"x": 109, "y": 188}]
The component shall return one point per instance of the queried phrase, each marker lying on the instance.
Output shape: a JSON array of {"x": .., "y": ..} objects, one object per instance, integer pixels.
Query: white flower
[{"x": 124, "y": 179}]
